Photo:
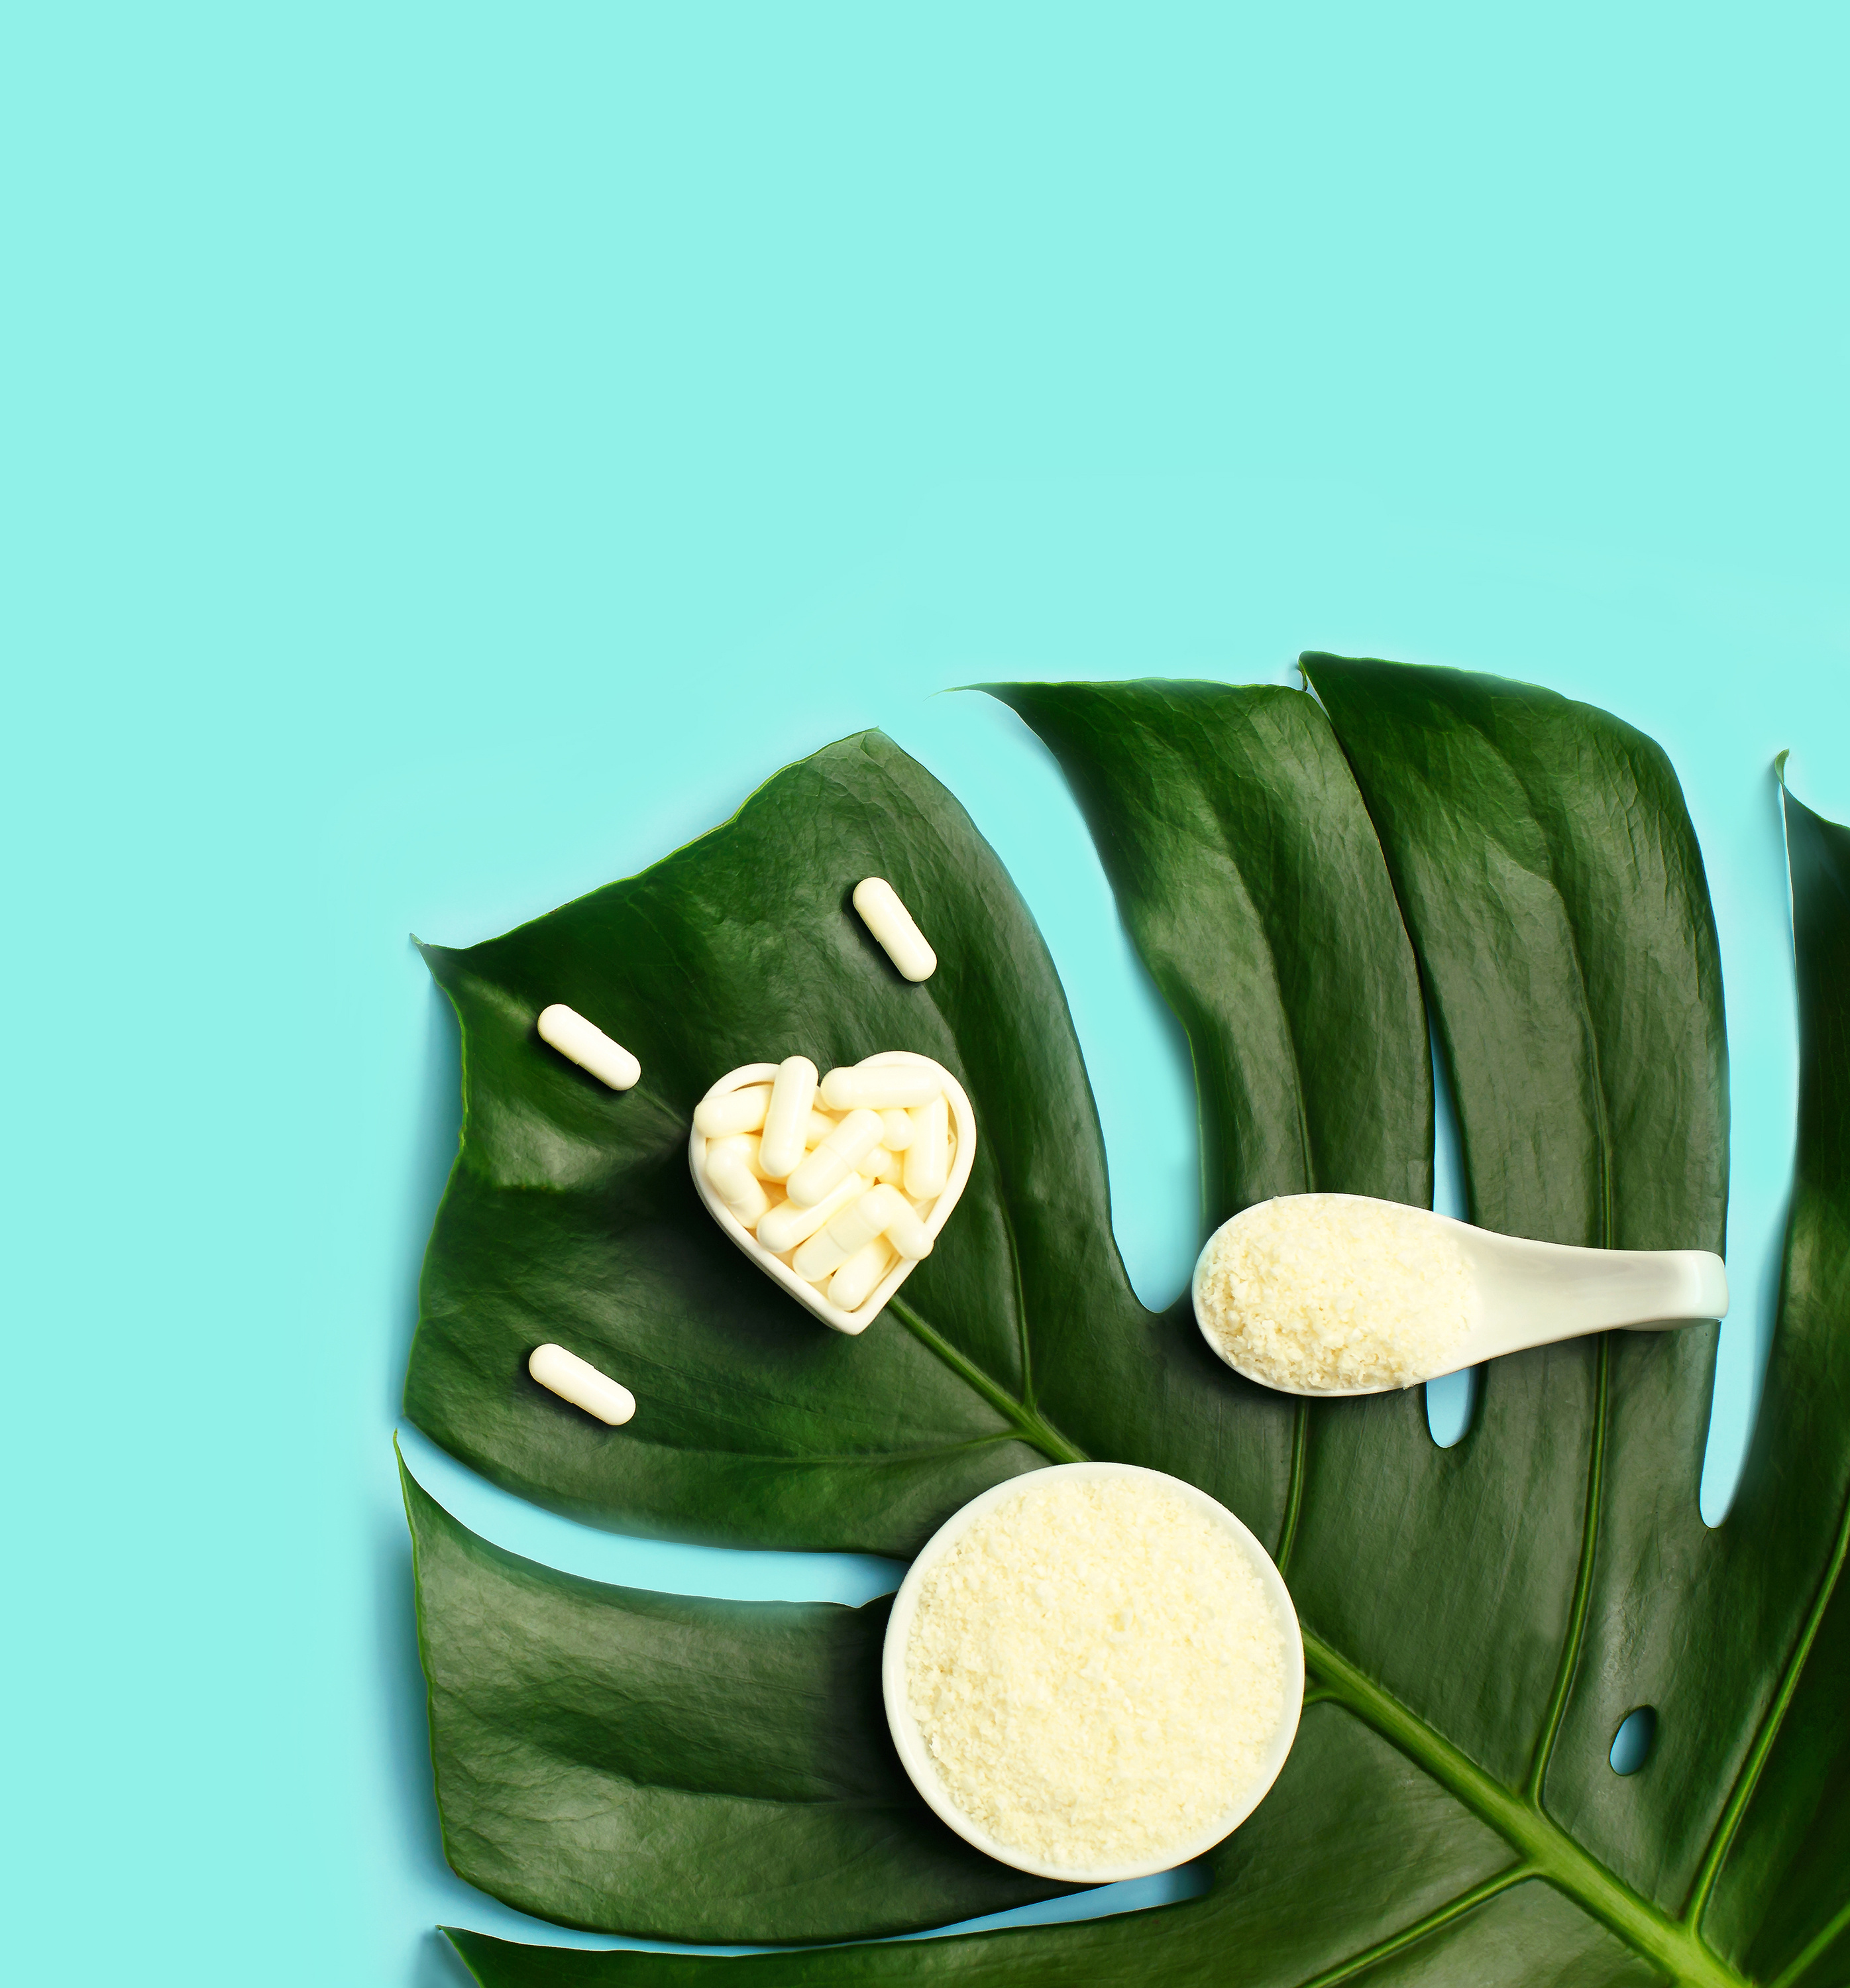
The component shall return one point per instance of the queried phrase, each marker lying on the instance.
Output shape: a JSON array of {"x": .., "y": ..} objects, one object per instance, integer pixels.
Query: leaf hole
[
  {"x": 1451, "y": 1402},
  {"x": 1632, "y": 1743}
]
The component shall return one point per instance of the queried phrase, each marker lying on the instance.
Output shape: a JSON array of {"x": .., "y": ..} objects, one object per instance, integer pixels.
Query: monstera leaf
[{"x": 1478, "y": 1621}]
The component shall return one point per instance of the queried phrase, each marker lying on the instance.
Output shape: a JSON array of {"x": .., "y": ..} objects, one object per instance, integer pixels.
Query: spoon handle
[{"x": 1533, "y": 1293}]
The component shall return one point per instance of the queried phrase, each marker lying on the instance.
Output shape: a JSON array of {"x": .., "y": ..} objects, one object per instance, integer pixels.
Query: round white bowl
[{"x": 910, "y": 1742}]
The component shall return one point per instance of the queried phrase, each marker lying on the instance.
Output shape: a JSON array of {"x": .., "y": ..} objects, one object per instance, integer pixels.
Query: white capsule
[
  {"x": 853, "y": 1283},
  {"x": 857, "y": 1225},
  {"x": 579, "y": 1382},
  {"x": 744, "y": 1144},
  {"x": 786, "y": 1118},
  {"x": 588, "y": 1046},
  {"x": 890, "y": 922},
  {"x": 896, "y": 1130},
  {"x": 928, "y": 1157},
  {"x": 737, "y": 1186},
  {"x": 881, "y": 1165},
  {"x": 890, "y": 1086},
  {"x": 820, "y": 1125},
  {"x": 791, "y": 1222},
  {"x": 886, "y": 1212},
  {"x": 882, "y": 1210},
  {"x": 740, "y": 1111},
  {"x": 837, "y": 1157},
  {"x": 908, "y": 1234},
  {"x": 819, "y": 1257}
]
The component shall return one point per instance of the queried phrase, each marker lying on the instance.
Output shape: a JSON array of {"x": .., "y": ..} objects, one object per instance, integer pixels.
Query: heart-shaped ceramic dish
[{"x": 963, "y": 1121}]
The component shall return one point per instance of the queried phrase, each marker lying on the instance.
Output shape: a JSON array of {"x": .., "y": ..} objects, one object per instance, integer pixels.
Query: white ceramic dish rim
[
  {"x": 806, "y": 1294},
  {"x": 910, "y": 1741}
]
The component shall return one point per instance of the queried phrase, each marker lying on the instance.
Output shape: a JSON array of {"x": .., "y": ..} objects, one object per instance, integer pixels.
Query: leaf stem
[
  {"x": 1034, "y": 1427},
  {"x": 1583, "y": 1579},
  {"x": 1454, "y": 1908},
  {"x": 1536, "y": 1836},
  {"x": 1301, "y": 1443},
  {"x": 1820, "y": 1940},
  {"x": 1024, "y": 1350},
  {"x": 1763, "y": 1745}
]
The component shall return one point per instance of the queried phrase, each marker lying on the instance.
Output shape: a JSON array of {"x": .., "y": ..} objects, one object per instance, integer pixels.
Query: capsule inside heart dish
[{"x": 835, "y": 1186}]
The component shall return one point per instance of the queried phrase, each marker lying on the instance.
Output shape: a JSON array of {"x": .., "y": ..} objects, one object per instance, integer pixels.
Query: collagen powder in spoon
[{"x": 1317, "y": 1291}]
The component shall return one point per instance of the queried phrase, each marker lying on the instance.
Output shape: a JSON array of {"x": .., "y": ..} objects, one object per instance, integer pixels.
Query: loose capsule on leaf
[
  {"x": 579, "y": 1382},
  {"x": 587, "y": 1046},
  {"x": 791, "y": 1222},
  {"x": 740, "y": 1111},
  {"x": 786, "y": 1118},
  {"x": 890, "y": 1086},
  {"x": 928, "y": 1157},
  {"x": 853, "y": 1283},
  {"x": 834, "y": 1159},
  {"x": 890, "y": 922}
]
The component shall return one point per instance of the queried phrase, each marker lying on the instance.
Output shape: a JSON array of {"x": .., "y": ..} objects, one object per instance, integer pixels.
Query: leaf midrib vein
[
  {"x": 1032, "y": 1424},
  {"x": 1583, "y": 1580},
  {"x": 1024, "y": 1352},
  {"x": 1435, "y": 1920},
  {"x": 1818, "y": 1944},
  {"x": 1749, "y": 1777},
  {"x": 1300, "y": 1444}
]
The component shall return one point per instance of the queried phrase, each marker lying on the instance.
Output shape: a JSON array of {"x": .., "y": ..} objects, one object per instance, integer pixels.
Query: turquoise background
[{"x": 451, "y": 455}]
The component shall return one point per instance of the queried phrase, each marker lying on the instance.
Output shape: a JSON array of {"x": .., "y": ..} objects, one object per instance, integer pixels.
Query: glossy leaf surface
[
  {"x": 1551, "y": 882},
  {"x": 1781, "y": 1896},
  {"x": 1256, "y": 893},
  {"x": 570, "y": 1215},
  {"x": 605, "y": 1756},
  {"x": 1472, "y": 1615}
]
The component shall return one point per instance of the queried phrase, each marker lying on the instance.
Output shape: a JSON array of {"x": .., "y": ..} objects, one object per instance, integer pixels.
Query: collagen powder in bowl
[{"x": 1093, "y": 1672}]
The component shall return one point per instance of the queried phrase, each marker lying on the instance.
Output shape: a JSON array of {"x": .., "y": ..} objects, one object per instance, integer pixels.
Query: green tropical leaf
[
  {"x": 606, "y": 1757},
  {"x": 570, "y": 1216},
  {"x": 1552, "y": 884},
  {"x": 1778, "y": 1898},
  {"x": 1477, "y": 1619},
  {"x": 1242, "y": 861}
]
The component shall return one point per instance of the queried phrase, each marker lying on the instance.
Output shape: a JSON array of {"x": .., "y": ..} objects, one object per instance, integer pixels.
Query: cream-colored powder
[
  {"x": 1325, "y": 1290},
  {"x": 1096, "y": 1671}
]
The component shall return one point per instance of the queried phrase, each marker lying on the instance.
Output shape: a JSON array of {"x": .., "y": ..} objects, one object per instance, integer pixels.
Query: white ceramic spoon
[{"x": 1525, "y": 1294}]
